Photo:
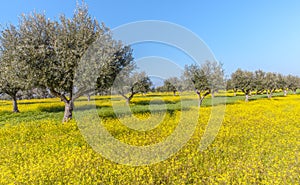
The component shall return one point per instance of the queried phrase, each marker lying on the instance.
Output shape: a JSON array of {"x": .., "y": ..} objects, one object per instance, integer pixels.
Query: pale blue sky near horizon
[{"x": 242, "y": 34}]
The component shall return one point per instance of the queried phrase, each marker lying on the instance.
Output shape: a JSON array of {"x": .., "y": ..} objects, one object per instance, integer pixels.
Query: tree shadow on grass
[
  {"x": 33, "y": 102},
  {"x": 90, "y": 107},
  {"x": 99, "y": 98},
  {"x": 61, "y": 108},
  {"x": 57, "y": 108},
  {"x": 112, "y": 114},
  {"x": 155, "y": 102},
  {"x": 27, "y": 116}
]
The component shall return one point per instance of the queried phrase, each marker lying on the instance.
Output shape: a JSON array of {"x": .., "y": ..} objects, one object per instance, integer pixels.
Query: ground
[{"x": 258, "y": 143}]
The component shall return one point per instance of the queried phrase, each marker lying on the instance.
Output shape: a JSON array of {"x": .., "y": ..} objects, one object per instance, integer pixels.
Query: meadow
[{"x": 258, "y": 142}]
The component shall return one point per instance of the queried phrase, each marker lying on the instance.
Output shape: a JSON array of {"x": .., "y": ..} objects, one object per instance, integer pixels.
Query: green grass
[{"x": 53, "y": 110}]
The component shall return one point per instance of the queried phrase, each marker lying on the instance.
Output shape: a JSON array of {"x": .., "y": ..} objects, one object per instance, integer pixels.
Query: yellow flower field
[{"x": 258, "y": 143}]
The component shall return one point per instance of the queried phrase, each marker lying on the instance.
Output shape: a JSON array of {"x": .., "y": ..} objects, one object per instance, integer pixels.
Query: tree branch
[
  {"x": 207, "y": 93},
  {"x": 59, "y": 95},
  {"x": 81, "y": 93},
  {"x": 123, "y": 95}
]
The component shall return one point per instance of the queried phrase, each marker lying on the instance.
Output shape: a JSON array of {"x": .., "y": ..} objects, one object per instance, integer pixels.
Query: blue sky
[{"x": 249, "y": 35}]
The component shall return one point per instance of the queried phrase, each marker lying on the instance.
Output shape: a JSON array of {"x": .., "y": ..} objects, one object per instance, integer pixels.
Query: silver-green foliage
[
  {"x": 53, "y": 50},
  {"x": 205, "y": 79},
  {"x": 129, "y": 84},
  {"x": 244, "y": 81},
  {"x": 13, "y": 71}
]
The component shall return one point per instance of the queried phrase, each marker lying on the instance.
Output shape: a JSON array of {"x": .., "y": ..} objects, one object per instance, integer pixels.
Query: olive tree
[
  {"x": 243, "y": 80},
  {"x": 206, "y": 79},
  {"x": 172, "y": 84},
  {"x": 12, "y": 69},
  {"x": 258, "y": 81},
  {"x": 282, "y": 83},
  {"x": 271, "y": 83},
  {"x": 293, "y": 83},
  {"x": 54, "y": 49},
  {"x": 231, "y": 86},
  {"x": 137, "y": 82}
]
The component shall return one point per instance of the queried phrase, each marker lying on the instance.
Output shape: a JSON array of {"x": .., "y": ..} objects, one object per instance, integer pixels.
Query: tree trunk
[
  {"x": 200, "y": 101},
  {"x": 247, "y": 98},
  {"x": 127, "y": 101},
  {"x": 270, "y": 95},
  {"x": 285, "y": 92},
  {"x": 88, "y": 97},
  {"x": 15, "y": 104},
  {"x": 174, "y": 93},
  {"x": 69, "y": 106},
  {"x": 234, "y": 94},
  {"x": 213, "y": 94}
]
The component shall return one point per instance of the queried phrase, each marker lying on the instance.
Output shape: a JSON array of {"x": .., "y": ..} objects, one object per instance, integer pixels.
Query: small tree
[
  {"x": 207, "y": 78},
  {"x": 270, "y": 83},
  {"x": 172, "y": 84},
  {"x": 258, "y": 83},
  {"x": 132, "y": 85},
  {"x": 169, "y": 87},
  {"x": 293, "y": 83},
  {"x": 282, "y": 83},
  {"x": 243, "y": 80},
  {"x": 231, "y": 86},
  {"x": 215, "y": 74}
]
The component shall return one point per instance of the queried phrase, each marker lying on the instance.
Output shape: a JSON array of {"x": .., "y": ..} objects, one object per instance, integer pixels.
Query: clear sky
[{"x": 249, "y": 35}]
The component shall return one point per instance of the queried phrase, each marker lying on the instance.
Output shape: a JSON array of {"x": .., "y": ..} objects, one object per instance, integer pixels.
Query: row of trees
[
  {"x": 42, "y": 55},
  {"x": 205, "y": 79},
  {"x": 34, "y": 93},
  {"x": 262, "y": 82},
  {"x": 209, "y": 79}
]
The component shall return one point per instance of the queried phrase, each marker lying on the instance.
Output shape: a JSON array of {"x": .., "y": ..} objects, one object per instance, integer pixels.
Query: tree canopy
[
  {"x": 53, "y": 50},
  {"x": 206, "y": 79},
  {"x": 13, "y": 72},
  {"x": 134, "y": 83}
]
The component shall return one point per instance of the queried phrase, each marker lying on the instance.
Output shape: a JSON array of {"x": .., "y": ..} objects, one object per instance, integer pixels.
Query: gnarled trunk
[
  {"x": 200, "y": 99},
  {"x": 15, "y": 104},
  {"x": 69, "y": 106},
  {"x": 128, "y": 99}
]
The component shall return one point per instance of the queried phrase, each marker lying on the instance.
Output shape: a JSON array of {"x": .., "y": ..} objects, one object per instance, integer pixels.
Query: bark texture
[
  {"x": 69, "y": 107},
  {"x": 15, "y": 105}
]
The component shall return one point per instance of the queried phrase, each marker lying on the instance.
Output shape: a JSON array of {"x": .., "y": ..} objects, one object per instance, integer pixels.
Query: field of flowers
[{"x": 258, "y": 143}]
